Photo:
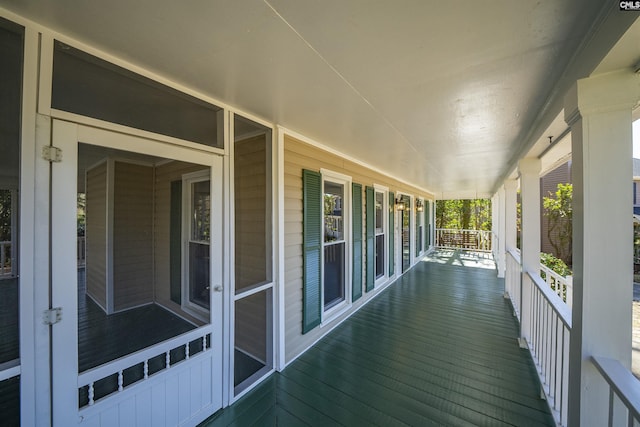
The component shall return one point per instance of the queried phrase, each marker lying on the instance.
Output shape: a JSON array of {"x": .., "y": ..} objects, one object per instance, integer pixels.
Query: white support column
[
  {"x": 510, "y": 214},
  {"x": 500, "y": 217},
  {"x": 598, "y": 109},
  {"x": 530, "y": 239}
]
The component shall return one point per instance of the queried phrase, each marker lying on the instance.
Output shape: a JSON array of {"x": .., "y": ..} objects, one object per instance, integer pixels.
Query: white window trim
[
  {"x": 338, "y": 309},
  {"x": 385, "y": 232},
  {"x": 189, "y": 307},
  {"x": 422, "y": 222}
]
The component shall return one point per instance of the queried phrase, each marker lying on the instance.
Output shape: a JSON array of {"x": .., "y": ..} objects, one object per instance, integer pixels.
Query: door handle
[{"x": 217, "y": 288}]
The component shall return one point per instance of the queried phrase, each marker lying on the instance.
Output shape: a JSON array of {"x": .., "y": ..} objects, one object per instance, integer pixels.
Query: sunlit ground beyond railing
[{"x": 463, "y": 258}]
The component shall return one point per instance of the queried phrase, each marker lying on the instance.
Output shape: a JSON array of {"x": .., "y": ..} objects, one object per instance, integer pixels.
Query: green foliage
[
  {"x": 472, "y": 214},
  {"x": 559, "y": 211},
  {"x": 5, "y": 215},
  {"x": 555, "y": 264},
  {"x": 81, "y": 216}
]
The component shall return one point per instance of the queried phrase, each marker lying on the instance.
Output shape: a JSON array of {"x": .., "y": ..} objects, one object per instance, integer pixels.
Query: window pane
[
  {"x": 379, "y": 213},
  {"x": 406, "y": 231},
  {"x": 252, "y": 195},
  {"x": 333, "y": 215},
  {"x": 11, "y": 56},
  {"x": 333, "y": 274},
  {"x": 87, "y": 85},
  {"x": 199, "y": 274},
  {"x": 201, "y": 207},
  {"x": 379, "y": 256}
]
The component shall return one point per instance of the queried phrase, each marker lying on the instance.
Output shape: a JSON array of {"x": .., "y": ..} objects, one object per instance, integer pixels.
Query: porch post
[
  {"x": 530, "y": 239},
  {"x": 510, "y": 214},
  {"x": 598, "y": 109},
  {"x": 499, "y": 209}
]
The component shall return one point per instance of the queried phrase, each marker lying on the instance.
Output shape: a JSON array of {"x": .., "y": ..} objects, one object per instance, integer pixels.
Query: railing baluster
[
  {"x": 168, "y": 359},
  {"x": 186, "y": 351},
  {"x": 610, "y": 407},
  {"x": 120, "y": 380},
  {"x": 91, "y": 394},
  {"x": 145, "y": 369}
]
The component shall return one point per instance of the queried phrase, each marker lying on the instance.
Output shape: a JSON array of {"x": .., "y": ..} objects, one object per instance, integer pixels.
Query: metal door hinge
[
  {"x": 52, "y": 154},
  {"x": 52, "y": 316}
]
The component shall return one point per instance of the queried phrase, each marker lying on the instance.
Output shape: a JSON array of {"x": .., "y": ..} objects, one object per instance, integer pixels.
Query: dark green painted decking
[{"x": 438, "y": 347}]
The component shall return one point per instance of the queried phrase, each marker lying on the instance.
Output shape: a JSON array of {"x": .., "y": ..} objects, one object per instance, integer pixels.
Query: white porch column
[
  {"x": 598, "y": 109},
  {"x": 510, "y": 214},
  {"x": 499, "y": 207},
  {"x": 530, "y": 239}
]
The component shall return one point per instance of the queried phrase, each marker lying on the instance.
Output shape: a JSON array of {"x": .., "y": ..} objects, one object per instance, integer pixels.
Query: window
[
  {"x": 335, "y": 276},
  {"x": 196, "y": 282},
  {"x": 334, "y": 244},
  {"x": 419, "y": 226},
  {"x": 326, "y": 248},
  {"x": 380, "y": 233}
]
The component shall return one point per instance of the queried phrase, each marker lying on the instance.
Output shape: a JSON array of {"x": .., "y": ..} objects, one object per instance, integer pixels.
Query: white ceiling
[{"x": 445, "y": 95}]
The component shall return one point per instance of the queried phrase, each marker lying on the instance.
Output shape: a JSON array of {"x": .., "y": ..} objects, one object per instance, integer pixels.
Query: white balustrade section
[
  {"x": 6, "y": 264},
  {"x": 473, "y": 240},
  {"x": 548, "y": 341},
  {"x": 563, "y": 286},
  {"x": 82, "y": 251},
  {"x": 117, "y": 367},
  {"x": 512, "y": 287},
  {"x": 623, "y": 389}
]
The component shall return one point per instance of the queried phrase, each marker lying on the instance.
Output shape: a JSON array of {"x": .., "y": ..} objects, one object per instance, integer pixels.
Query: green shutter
[
  {"x": 371, "y": 233},
  {"x": 175, "y": 243},
  {"x": 391, "y": 233},
  {"x": 356, "y": 291},
  {"x": 311, "y": 247}
]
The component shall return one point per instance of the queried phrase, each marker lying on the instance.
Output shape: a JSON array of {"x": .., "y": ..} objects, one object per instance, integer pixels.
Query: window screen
[{"x": 86, "y": 85}]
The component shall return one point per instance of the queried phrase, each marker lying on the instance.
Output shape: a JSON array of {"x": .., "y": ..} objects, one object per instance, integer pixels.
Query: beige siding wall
[
  {"x": 165, "y": 174},
  {"x": 298, "y": 156},
  {"x": 96, "y": 234},
  {"x": 132, "y": 235}
]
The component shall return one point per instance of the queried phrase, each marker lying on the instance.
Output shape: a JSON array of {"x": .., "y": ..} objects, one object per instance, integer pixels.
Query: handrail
[
  {"x": 563, "y": 286},
  {"x": 558, "y": 305},
  {"x": 515, "y": 254},
  {"x": 546, "y": 329},
  {"x": 623, "y": 384}
]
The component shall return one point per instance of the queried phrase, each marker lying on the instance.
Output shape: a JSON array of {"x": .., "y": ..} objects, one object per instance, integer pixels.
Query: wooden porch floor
[{"x": 436, "y": 348}]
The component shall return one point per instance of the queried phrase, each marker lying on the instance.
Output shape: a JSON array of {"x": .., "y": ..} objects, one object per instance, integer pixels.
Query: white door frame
[{"x": 66, "y": 136}]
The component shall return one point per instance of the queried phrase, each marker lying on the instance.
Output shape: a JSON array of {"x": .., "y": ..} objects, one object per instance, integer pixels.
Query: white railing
[
  {"x": 623, "y": 388},
  {"x": 119, "y": 366},
  {"x": 475, "y": 240},
  {"x": 547, "y": 332},
  {"x": 563, "y": 286},
  {"x": 82, "y": 251},
  {"x": 545, "y": 322},
  {"x": 512, "y": 286},
  {"x": 6, "y": 261}
]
